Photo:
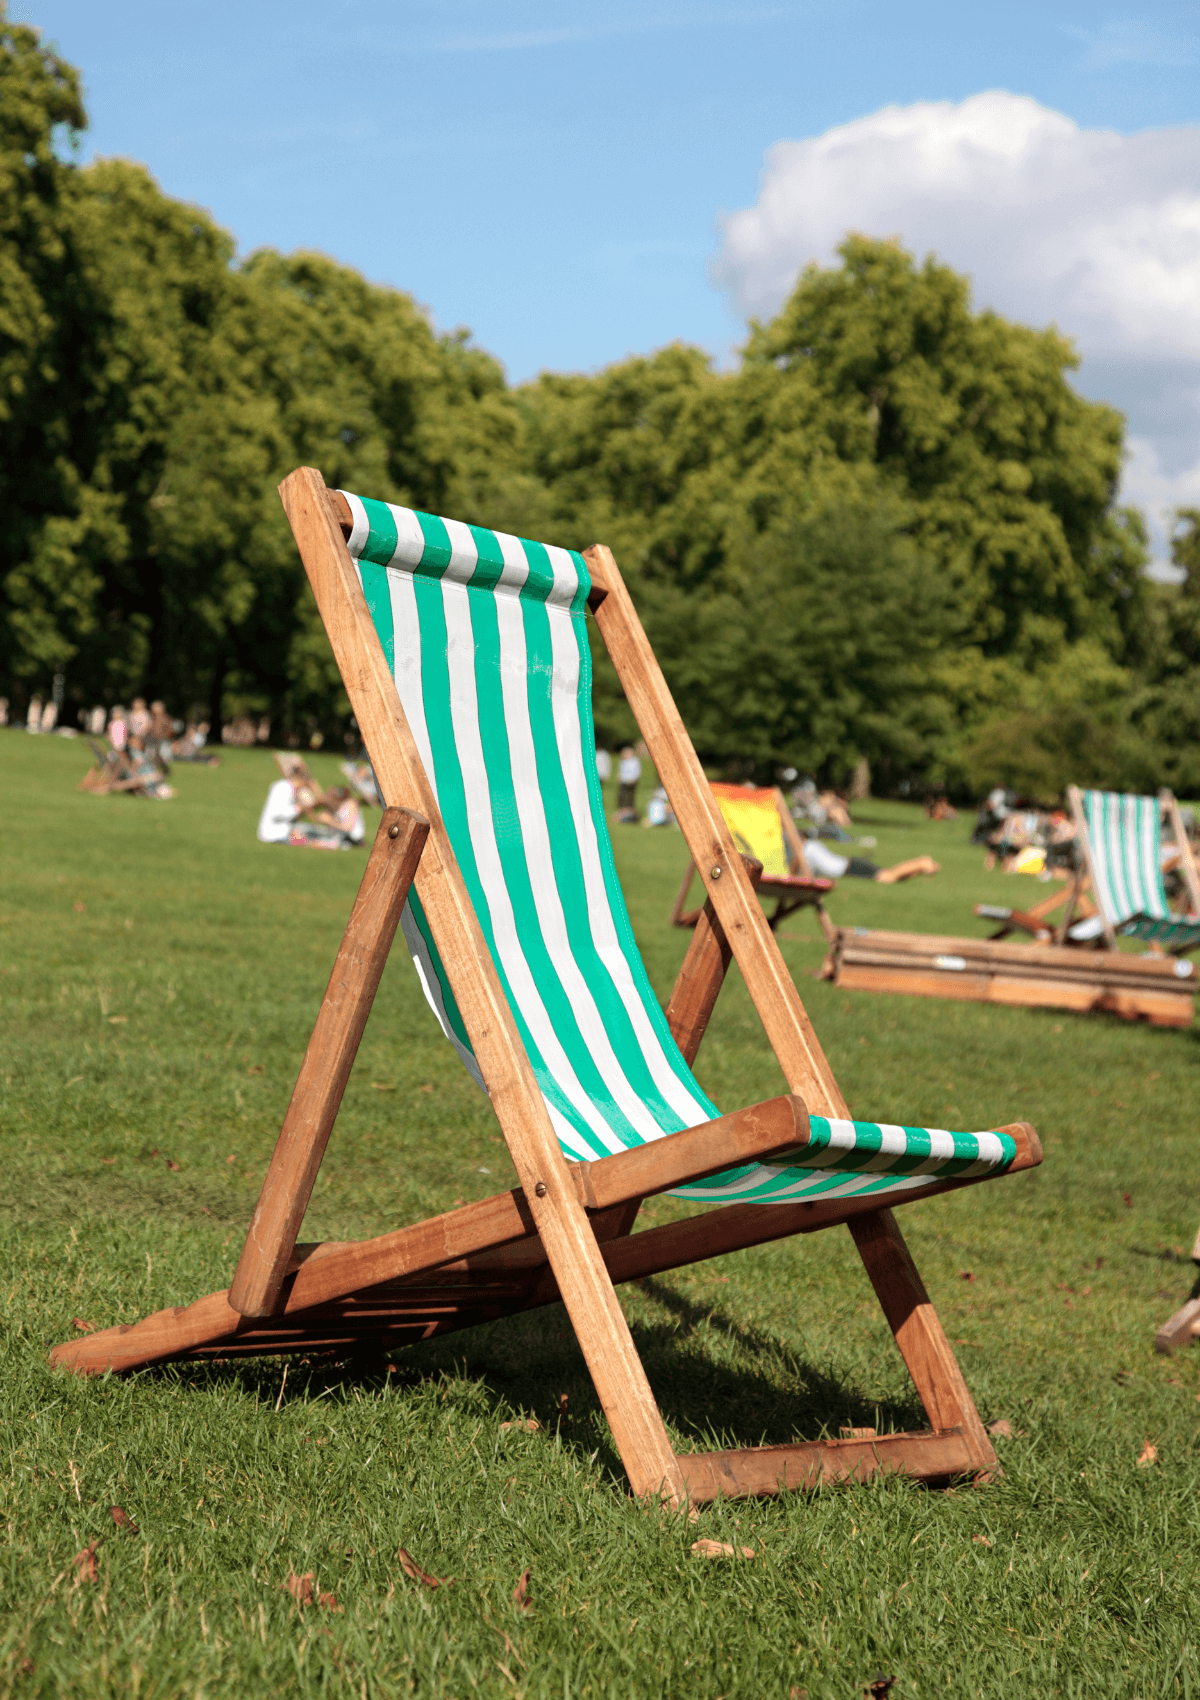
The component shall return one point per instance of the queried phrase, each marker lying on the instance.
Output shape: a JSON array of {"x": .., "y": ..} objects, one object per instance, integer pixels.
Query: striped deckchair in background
[
  {"x": 1121, "y": 840},
  {"x": 465, "y": 657}
]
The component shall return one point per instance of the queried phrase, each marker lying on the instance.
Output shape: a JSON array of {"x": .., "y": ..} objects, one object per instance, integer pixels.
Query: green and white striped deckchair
[
  {"x": 465, "y": 656},
  {"x": 485, "y": 636},
  {"x": 1121, "y": 837}
]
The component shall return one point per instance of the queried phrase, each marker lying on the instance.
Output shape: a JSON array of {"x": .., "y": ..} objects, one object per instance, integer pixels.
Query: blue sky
[{"x": 555, "y": 176}]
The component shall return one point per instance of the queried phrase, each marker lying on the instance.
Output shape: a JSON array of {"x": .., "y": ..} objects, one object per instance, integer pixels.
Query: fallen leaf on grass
[
  {"x": 879, "y": 1686},
  {"x": 981, "y": 1540},
  {"x": 522, "y": 1598},
  {"x": 174, "y": 1167},
  {"x": 232, "y": 1157},
  {"x": 300, "y": 1587},
  {"x": 79, "y": 908},
  {"x": 966, "y": 1275},
  {"x": 122, "y": 1519},
  {"x": 531, "y": 1423},
  {"x": 83, "y": 1327},
  {"x": 1148, "y": 1455},
  {"x": 720, "y": 1549},
  {"x": 412, "y": 1569},
  {"x": 329, "y": 1603},
  {"x": 1001, "y": 1427},
  {"x": 85, "y": 1562},
  {"x": 1127, "y": 1201}
]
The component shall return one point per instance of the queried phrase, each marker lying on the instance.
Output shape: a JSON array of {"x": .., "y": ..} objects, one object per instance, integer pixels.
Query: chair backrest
[
  {"x": 1125, "y": 842},
  {"x": 752, "y": 816},
  {"x": 485, "y": 637}
]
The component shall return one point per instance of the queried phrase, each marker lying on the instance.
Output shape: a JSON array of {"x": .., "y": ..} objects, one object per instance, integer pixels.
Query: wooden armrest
[{"x": 746, "y": 1136}]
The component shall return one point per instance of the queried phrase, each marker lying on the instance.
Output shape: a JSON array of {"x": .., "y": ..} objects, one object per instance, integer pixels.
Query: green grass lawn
[{"x": 159, "y": 974}]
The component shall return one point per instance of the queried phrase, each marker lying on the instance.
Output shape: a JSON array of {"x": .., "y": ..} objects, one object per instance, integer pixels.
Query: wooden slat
[
  {"x": 783, "y": 1016},
  {"x": 1165, "y": 1011},
  {"x": 702, "y": 973},
  {"x": 760, "y": 1471},
  {"x": 328, "y": 1060},
  {"x": 603, "y": 1333},
  {"x": 884, "y": 947}
]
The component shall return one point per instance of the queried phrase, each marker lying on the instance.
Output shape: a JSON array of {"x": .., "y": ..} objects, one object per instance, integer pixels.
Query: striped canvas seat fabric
[
  {"x": 485, "y": 636},
  {"x": 1125, "y": 842}
]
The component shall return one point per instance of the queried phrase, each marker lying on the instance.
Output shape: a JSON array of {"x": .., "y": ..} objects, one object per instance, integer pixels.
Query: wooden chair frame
[
  {"x": 788, "y": 898},
  {"x": 564, "y": 1233}
]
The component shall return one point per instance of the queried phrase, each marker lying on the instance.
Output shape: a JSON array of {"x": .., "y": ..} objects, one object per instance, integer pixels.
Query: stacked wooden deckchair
[
  {"x": 465, "y": 656},
  {"x": 1120, "y": 845},
  {"x": 762, "y": 828}
]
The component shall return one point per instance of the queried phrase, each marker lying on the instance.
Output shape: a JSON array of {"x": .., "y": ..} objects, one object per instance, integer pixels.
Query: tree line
[{"x": 889, "y": 533}]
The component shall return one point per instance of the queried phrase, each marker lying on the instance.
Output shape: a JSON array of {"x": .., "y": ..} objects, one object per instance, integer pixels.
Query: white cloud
[{"x": 1096, "y": 232}]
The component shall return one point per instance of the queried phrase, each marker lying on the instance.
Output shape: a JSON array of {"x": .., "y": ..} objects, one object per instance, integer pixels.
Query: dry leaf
[
  {"x": 411, "y": 1568},
  {"x": 879, "y": 1686},
  {"x": 79, "y": 908},
  {"x": 1148, "y": 1455},
  {"x": 966, "y": 1275},
  {"x": 1127, "y": 1201},
  {"x": 83, "y": 1327},
  {"x": 85, "y": 1562},
  {"x": 174, "y": 1167},
  {"x": 328, "y": 1601},
  {"x": 522, "y": 1598},
  {"x": 232, "y": 1157},
  {"x": 122, "y": 1519},
  {"x": 300, "y": 1587},
  {"x": 531, "y": 1423},
  {"x": 981, "y": 1540},
  {"x": 1001, "y": 1427}
]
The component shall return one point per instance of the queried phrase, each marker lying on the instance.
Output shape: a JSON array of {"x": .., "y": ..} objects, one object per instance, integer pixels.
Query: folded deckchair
[
  {"x": 1120, "y": 837},
  {"x": 762, "y": 827},
  {"x": 465, "y": 658}
]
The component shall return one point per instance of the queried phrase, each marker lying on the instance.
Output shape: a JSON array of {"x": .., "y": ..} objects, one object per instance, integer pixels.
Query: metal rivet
[
  {"x": 715, "y": 873},
  {"x": 393, "y": 832},
  {"x": 540, "y": 1189}
]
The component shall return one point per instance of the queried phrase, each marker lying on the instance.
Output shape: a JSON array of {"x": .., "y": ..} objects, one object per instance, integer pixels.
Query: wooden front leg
[
  {"x": 919, "y": 1335},
  {"x": 257, "y": 1285}
]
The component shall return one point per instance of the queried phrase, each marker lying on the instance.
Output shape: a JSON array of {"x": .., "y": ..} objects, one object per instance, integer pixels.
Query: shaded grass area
[{"x": 159, "y": 974}]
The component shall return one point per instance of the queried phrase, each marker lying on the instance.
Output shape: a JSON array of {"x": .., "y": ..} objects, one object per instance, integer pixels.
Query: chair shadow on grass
[{"x": 755, "y": 1390}]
